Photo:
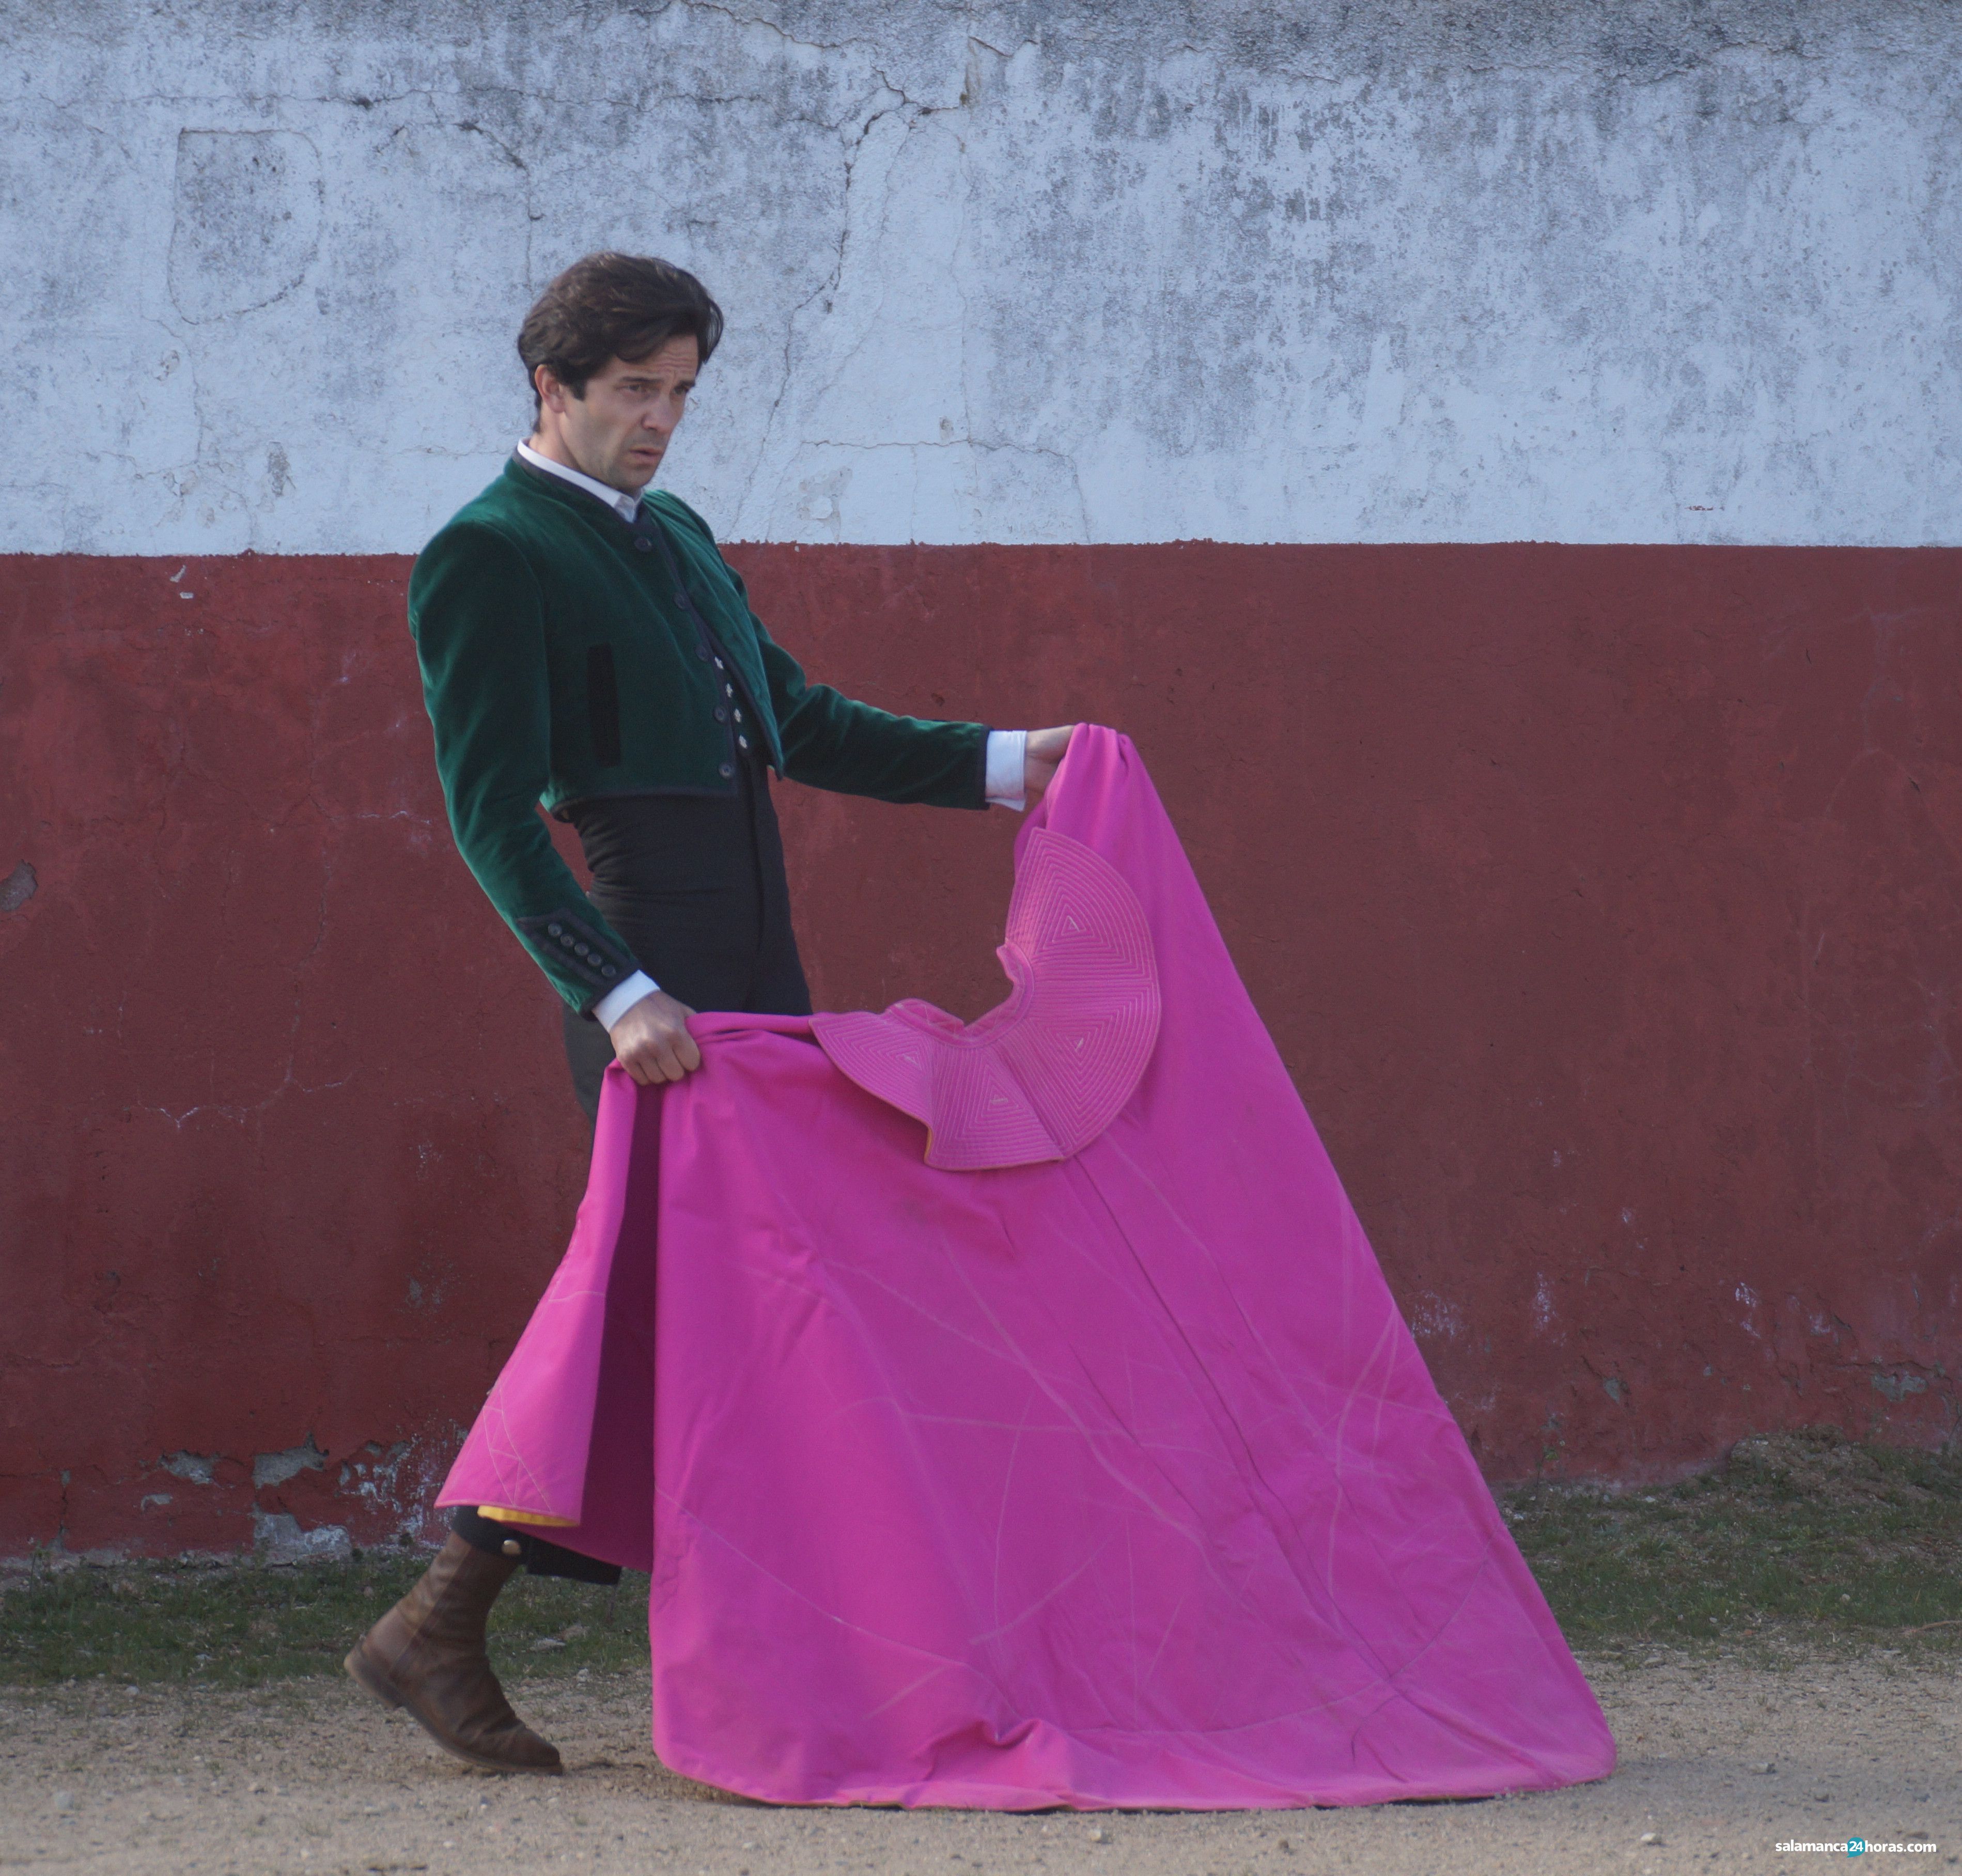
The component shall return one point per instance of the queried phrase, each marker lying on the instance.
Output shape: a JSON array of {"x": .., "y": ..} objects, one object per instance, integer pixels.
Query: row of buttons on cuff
[{"x": 572, "y": 944}]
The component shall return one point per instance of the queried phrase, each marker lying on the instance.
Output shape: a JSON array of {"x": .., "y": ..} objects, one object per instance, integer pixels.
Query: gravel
[{"x": 1722, "y": 1758}]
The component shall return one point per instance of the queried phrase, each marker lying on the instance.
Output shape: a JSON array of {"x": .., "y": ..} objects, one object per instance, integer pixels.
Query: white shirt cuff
[
  {"x": 1008, "y": 762},
  {"x": 622, "y": 997}
]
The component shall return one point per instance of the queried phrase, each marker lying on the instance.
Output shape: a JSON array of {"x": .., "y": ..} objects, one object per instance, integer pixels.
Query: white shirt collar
[{"x": 625, "y": 505}]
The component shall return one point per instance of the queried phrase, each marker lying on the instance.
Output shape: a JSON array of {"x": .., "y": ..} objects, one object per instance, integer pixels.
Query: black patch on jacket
[{"x": 602, "y": 704}]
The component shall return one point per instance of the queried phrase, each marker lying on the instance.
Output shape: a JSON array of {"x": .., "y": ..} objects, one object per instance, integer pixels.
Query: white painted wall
[{"x": 1052, "y": 272}]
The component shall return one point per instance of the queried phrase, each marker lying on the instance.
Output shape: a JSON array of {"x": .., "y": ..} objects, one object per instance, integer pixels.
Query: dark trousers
[{"x": 694, "y": 884}]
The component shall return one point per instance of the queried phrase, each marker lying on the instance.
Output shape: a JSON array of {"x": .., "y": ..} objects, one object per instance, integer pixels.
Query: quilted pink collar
[{"x": 1043, "y": 1074}]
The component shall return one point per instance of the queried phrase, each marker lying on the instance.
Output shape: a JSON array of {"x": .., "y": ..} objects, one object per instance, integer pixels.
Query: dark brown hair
[{"x": 614, "y": 305}]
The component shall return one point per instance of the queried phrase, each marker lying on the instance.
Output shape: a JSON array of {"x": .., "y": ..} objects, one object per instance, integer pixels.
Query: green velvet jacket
[{"x": 567, "y": 654}]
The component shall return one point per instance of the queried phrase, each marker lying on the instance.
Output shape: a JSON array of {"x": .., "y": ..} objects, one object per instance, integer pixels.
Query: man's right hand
[{"x": 652, "y": 1040}]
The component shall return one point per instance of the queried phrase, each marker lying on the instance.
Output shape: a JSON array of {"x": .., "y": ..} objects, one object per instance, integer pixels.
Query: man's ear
[{"x": 548, "y": 388}]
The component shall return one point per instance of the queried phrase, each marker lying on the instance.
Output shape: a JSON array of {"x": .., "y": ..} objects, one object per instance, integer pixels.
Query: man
[{"x": 584, "y": 646}]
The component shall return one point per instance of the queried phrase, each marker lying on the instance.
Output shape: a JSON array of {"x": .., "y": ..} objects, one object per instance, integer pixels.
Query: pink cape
[{"x": 1092, "y": 1465}]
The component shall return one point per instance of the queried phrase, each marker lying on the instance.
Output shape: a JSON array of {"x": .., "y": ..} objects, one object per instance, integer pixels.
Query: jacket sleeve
[
  {"x": 478, "y": 623},
  {"x": 832, "y": 741}
]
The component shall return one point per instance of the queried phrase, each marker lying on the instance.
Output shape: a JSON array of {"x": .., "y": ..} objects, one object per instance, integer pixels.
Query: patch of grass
[
  {"x": 1799, "y": 1533},
  {"x": 228, "y": 1625}
]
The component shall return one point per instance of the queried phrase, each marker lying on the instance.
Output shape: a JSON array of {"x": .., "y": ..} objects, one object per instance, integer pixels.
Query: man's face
[{"x": 619, "y": 431}]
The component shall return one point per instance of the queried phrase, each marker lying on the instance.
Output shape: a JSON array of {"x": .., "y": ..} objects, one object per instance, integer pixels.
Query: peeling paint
[
  {"x": 280, "y": 1538},
  {"x": 1543, "y": 1310},
  {"x": 1436, "y": 1317},
  {"x": 378, "y": 1477},
  {"x": 197, "y": 1467},
  {"x": 275, "y": 1468}
]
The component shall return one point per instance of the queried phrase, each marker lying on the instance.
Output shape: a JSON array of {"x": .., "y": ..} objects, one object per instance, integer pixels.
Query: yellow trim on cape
[{"x": 504, "y": 1514}]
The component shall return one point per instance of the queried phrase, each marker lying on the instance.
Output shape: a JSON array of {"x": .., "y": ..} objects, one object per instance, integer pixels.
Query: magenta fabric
[
  {"x": 1043, "y": 1074},
  {"x": 1111, "y": 1477}
]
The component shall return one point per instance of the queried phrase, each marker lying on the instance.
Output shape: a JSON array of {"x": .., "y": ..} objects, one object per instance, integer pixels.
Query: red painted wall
[{"x": 1604, "y": 901}]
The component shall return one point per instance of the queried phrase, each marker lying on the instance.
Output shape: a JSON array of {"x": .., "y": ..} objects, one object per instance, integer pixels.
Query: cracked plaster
[{"x": 1041, "y": 273}]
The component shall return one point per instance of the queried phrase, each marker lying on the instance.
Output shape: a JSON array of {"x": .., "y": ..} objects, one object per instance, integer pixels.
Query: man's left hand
[{"x": 1046, "y": 748}]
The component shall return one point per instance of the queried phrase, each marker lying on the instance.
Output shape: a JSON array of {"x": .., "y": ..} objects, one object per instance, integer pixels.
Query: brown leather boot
[{"x": 427, "y": 1656}]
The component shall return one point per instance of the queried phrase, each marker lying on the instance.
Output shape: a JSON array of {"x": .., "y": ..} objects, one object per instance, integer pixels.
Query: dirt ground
[{"x": 1722, "y": 1759}]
